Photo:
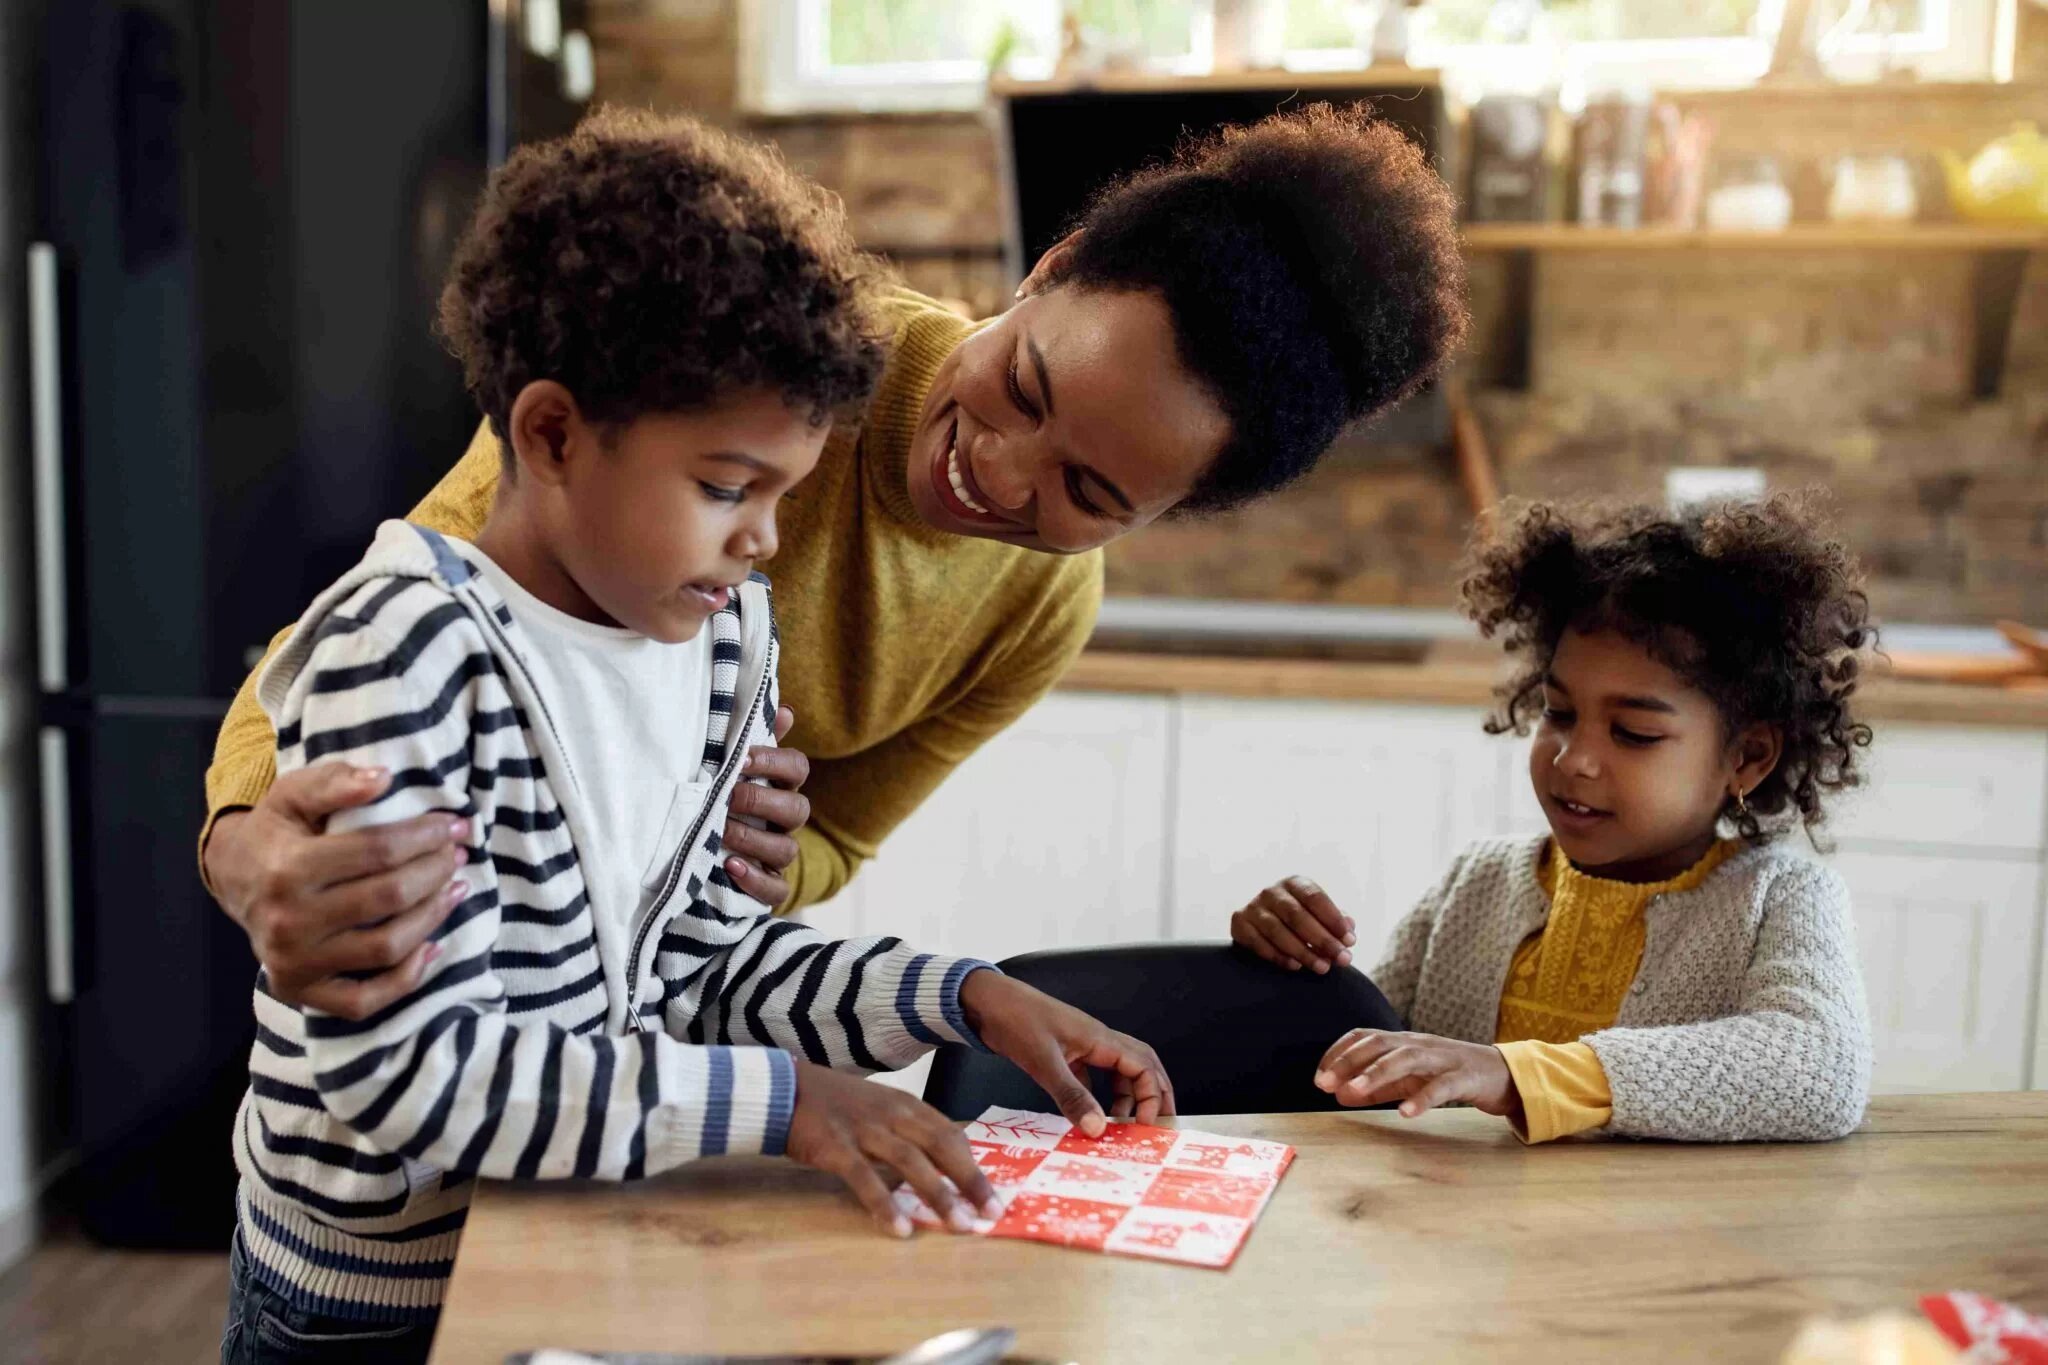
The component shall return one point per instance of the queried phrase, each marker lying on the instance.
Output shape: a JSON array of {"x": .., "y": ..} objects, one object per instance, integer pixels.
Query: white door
[
  {"x": 1948, "y": 961},
  {"x": 1370, "y": 801},
  {"x": 1052, "y": 835}
]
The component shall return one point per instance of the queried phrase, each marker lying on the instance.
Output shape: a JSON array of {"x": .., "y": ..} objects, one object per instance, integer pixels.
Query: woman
[{"x": 1197, "y": 342}]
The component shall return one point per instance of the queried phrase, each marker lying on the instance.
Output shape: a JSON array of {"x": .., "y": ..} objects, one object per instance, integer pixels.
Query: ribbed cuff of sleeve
[
  {"x": 727, "y": 1101},
  {"x": 916, "y": 1005},
  {"x": 778, "y": 1103},
  {"x": 1563, "y": 1087},
  {"x": 230, "y": 789}
]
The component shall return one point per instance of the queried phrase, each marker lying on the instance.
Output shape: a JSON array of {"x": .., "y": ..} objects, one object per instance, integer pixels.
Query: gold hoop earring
[{"x": 1741, "y": 805}]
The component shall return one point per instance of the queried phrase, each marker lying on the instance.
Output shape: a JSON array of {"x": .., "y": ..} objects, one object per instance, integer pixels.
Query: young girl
[{"x": 1634, "y": 970}]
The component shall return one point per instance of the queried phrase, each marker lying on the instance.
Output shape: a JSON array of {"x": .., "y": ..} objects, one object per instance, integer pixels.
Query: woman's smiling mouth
[{"x": 953, "y": 481}]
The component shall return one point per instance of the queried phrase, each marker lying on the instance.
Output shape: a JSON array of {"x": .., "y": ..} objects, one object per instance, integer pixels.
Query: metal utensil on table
[{"x": 967, "y": 1346}]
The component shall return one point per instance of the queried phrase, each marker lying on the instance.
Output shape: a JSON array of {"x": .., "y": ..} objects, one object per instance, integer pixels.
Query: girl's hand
[
  {"x": 1421, "y": 1070},
  {"x": 1292, "y": 924}
]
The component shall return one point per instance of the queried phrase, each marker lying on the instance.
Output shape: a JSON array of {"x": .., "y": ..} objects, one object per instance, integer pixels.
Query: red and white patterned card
[
  {"x": 1989, "y": 1331},
  {"x": 1165, "y": 1193}
]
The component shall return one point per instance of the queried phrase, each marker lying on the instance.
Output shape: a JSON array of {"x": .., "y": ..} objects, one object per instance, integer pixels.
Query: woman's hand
[
  {"x": 1055, "y": 1044},
  {"x": 761, "y": 856},
  {"x": 1421, "y": 1070},
  {"x": 1292, "y": 924},
  {"x": 316, "y": 904}
]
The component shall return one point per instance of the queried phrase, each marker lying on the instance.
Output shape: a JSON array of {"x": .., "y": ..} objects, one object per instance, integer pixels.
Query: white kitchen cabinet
[
  {"x": 1371, "y": 802},
  {"x": 1948, "y": 949},
  {"x": 1053, "y": 834},
  {"x": 1948, "y": 785}
]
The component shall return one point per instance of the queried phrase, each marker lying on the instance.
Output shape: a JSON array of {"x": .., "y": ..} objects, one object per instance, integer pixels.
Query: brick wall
[{"x": 1844, "y": 369}]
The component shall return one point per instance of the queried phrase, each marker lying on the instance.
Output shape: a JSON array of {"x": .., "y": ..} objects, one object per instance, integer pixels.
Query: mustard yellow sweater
[
  {"x": 904, "y": 648},
  {"x": 1567, "y": 980}
]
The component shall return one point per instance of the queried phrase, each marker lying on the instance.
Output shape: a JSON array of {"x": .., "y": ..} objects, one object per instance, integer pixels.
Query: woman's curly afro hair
[
  {"x": 1311, "y": 266},
  {"x": 653, "y": 264},
  {"x": 1750, "y": 602}
]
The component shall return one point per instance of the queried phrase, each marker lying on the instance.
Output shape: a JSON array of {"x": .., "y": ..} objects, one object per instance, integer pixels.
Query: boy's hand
[
  {"x": 848, "y": 1127},
  {"x": 1055, "y": 1044},
  {"x": 1421, "y": 1070},
  {"x": 760, "y": 856},
  {"x": 1292, "y": 924}
]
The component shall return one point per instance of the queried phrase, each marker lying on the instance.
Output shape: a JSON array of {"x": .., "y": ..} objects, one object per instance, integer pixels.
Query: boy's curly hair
[
  {"x": 654, "y": 264},
  {"x": 1750, "y": 602},
  {"x": 1311, "y": 265}
]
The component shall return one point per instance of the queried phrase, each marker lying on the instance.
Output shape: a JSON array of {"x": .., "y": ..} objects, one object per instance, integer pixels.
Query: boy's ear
[
  {"x": 1756, "y": 752},
  {"x": 548, "y": 431}
]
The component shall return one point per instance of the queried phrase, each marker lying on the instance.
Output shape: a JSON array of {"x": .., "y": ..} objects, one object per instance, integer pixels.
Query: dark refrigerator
[{"x": 243, "y": 212}]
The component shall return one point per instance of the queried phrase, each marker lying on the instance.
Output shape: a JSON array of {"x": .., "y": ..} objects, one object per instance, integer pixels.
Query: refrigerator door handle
[
  {"x": 46, "y": 455},
  {"x": 60, "y": 978},
  {"x": 46, "y": 445}
]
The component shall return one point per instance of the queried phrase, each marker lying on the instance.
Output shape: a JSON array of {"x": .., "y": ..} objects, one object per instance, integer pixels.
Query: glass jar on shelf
[{"x": 1748, "y": 194}]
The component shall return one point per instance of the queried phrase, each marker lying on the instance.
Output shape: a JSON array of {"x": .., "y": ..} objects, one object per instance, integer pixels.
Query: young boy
[{"x": 658, "y": 322}]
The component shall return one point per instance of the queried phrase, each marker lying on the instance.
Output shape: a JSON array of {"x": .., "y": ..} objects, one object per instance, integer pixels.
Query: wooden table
[{"x": 1437, "y": 1239}]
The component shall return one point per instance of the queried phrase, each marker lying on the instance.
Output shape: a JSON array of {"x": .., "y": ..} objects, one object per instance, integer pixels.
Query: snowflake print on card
[
  {"x": 1232, "y": 1156},
  {"x": 1179, "y": 1235},
  {"x": 1135, "y": 1191},
  {"x": 1084, "y": 1177},
  {"x": 1124, "y": 1142},
  {"x": 1240, "y": 1196},
  {"x": 1006, "y": 1165},
  {"x": 1060, "y": 1220}
]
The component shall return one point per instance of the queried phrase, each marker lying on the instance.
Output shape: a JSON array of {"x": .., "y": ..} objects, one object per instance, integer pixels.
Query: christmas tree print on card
[{"x": 1135, "y": 1191}]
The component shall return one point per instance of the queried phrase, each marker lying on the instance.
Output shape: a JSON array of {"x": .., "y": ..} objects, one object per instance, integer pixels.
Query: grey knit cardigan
[{"x": 1746, "y": 1020}]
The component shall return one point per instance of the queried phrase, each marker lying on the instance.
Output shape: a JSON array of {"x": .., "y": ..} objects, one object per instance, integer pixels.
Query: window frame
[{"x": 1969, "y": 40}]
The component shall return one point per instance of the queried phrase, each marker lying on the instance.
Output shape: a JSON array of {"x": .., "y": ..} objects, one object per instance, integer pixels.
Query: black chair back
[{"x": 1236, "y": 1035}]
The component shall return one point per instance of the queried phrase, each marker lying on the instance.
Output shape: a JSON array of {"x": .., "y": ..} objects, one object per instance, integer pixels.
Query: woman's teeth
[
  {"x": 1574, "y": 808},
  {"x": 958, "y": 480}
]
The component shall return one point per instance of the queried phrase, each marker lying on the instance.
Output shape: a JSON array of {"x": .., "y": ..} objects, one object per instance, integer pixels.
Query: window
[
  {"x": 935, "y": 54},
  {"x": 1653, "y": 44},
  {"x": 800, "y": 55}
]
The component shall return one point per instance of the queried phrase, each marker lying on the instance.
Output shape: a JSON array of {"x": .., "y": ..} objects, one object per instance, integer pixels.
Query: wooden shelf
[
  {"x": 1799, "y": 237},
  {"x": 1830, "y": 91},
  {"x": 1998, "y": 256},
  {"x": 1156, "y": 82}
]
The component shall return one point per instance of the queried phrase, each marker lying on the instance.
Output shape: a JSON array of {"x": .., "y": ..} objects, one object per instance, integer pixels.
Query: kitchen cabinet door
[
  {"x": 1948, "y": 948},
  {"x": 1950, "y": 785},
  {"x": 1370, "y": 801},
  {"x": 1052, "y": 835}
]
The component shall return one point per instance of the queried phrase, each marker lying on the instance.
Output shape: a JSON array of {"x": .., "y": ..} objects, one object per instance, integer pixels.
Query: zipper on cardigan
[{"x": 734, "y": 756}]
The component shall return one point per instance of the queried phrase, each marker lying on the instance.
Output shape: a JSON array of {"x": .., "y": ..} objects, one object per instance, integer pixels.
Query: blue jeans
[{"x": 263, "y": 1328}]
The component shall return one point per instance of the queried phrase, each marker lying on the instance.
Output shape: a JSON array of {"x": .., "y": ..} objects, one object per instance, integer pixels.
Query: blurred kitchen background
[{"x": 1715, "y": 247}]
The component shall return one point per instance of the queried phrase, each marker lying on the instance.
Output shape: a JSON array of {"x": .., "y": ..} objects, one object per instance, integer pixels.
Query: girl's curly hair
[
  {"x": 652, "y": 263},
  {"x": 1750, "y": 602}
]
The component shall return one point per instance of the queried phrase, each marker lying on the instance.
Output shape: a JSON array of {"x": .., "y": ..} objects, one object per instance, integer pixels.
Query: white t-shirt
[{"x": 632, "y": 713}]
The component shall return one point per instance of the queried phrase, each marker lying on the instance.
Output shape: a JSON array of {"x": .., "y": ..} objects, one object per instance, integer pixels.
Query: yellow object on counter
[{"x": 2006, "y": 182}]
